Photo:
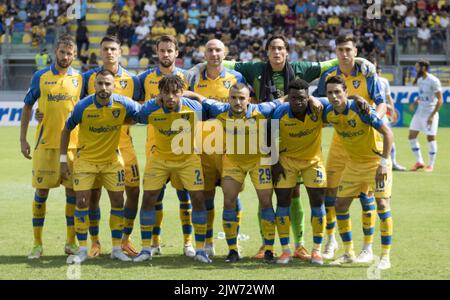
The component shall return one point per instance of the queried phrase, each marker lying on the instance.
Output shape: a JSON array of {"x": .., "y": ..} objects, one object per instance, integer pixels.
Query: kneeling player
[
  {"x": 100, "y": 118},
  {"x": 300, "y": 134},
  {"x": 369, "y": 168}
]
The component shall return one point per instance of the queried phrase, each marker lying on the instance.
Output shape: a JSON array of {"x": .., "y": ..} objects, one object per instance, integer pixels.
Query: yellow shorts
[
  {"x": 46, "y": 169},
  {"x": 212, "y": 170},
  {"x": 312, "y": 171},
  {"x": 87, "y": 175},
  {"x": 359, "y": 178},
  {"x": 130, "y": 163},
  {"x": 189, "y": 171},
  {"x": 336, "y": 161},
  {"x": 260, "y": 175}
]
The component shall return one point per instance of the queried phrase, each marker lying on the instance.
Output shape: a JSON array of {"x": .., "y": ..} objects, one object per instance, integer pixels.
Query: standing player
[
  {"x": 169, "y": 158},
  {"x": 426, "y": 117},
  {"x": 56, "y": 89},
  {"x": 368, "y": 168},
  {"x": 368, "y": 87},
  {"x": 167, "y": 50},
  {"x": 100, "y": 117},
  {"x": 126, "y": 84},
  {"x": 214, "y": 83},
  {"x": 300, "y": 134},
  {"x": 390, "y": 106}
]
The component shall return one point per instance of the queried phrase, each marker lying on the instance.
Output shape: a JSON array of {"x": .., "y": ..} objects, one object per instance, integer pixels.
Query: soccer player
[
  {"x": 236, "y": 165},
  {"x": 368, "y": 168},
  {"x": 426, "y": 117},
  {"x": 368, "y": 87},
  {"x": 100, "y": 117},
  {"x": 215, "y": 83},
  {"x": 169, "y": 157},
  {"x": 128, "y": 85},
  {"x": 167, "y": 50},
  {"x": 300, "y": 135},
  {"x": 386, "y": 90},
  {"x": 56, "y": 89},
  {"x": 269, "y": 81}
]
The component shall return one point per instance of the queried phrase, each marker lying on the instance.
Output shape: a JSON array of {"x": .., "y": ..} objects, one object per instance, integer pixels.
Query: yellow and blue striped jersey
[
  {"x": 241, "y": 135},
  {"x": 56, "y": 95},
  {"x": 357, "y": 84},
  {"x": 149, "y": 81},
  {"x": 299, "y": 139},
  {"x": 127, "y": 84},
  {"x": 217, "y": 89},
  {"x": 100, "y": 126},
  {"x": 358, "y": 132},
  {"x": 174, "y": 131}
]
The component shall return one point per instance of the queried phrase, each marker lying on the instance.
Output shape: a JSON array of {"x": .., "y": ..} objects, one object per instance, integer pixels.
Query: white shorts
[{"x": 419, "y": 123}]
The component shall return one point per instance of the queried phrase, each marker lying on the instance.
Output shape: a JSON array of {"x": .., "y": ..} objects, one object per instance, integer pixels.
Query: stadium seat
[
  {"x": 124, "y": 62},
  {"x": 27, "y": 27},
  {"x": 19, "y": 27},
  {"x": 143, "y": 62},
  {"x": 26, "y": 38},
  {"x": 17, "y": 38},
  {"x": 125, "y": 50},
  {"x": 22, "y": 15},
  {"x": 134, "y": 50},
  {"x": 133, "y": 62}
]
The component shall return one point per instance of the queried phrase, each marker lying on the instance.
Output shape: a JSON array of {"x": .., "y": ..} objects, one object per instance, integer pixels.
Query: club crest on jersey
[
  {"x": 116, "y": 113},
  {"x": 39, "y": 179},
  {"x": 75, "y": 82},
  {"x": 227, "y": 84},
  {"x": 76, "y": 181},
  {"x": 356, "y": 83},
  {"x": 352, "y": 123},
  {"x": 123, "y": 84}
]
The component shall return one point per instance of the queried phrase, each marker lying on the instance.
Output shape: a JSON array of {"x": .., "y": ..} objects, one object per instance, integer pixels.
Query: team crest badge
[
  {"x": 76, "y": 181},
  {"x": 356, "y": 83},
  {"x": 75, "y": 82},
  {"x": 352, "y": 123},
  {"x": 123, "y": 84},
  {"x": 39, "y": 179},
  {"x": 116, "y": 113},
  {"x": 227, "y": 84}
]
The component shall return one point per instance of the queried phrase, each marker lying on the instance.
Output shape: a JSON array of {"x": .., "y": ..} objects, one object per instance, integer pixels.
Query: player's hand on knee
[
  {"x": 277, "y": 171},
  {"x": 39, "y": 116},
  {"x": 65, "y": 173},
  {"x": 25, "y": 148}
]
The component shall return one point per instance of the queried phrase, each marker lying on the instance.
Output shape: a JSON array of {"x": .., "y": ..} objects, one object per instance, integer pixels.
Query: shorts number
[
  {"x": 264, "y": 173},
  {"x": 319, "y": 174},
  {"x": 198, "y": 177},
  {"x": 135, "y": 170},
  {"x": 121, "y": 176},
  {"x": 380, "y": 185}
]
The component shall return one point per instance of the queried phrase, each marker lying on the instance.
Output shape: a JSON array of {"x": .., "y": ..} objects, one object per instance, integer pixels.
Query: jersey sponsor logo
[
  {"x": 227, "y": 84},
  {"x": 346, "y": 134},
  {"x": 356, "y": 83},
  {"x": 202, "y": 86},
  {"x": 153, "y": 82},
  {"x": 123, "y": 84},
  {"x": 352, "y": 123},
  {"x": 50, "y": 82},
  {"x": 104, "y": 129},
  {"x": 159, "y": 119},
  {"x": 59, "y": 97},
  {"x": 116, "y": 113},
  {"x": 289, "y": 124},
  {"x": 170, "y": 132},
  {"x": 93, "y": 116},
  {"x": 302, "y": 133},
  {"x": 75, "y": 82}
]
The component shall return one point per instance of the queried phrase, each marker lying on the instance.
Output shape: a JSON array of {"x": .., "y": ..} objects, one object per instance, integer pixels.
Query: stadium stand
[{"x": 401, "y": 33}]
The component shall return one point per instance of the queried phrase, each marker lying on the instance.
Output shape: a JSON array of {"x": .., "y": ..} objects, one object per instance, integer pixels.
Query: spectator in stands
[
  {"x": 141, "y": 31},
  {"x": 211, "y": 21},
  {"x": 197, "y": 56},
  {"x": 82, "y": 38},
  {"x": 445, "y": 20},
  {"x": 246, "y": 55},
  {"x": 293, "y": 54},
  {"x": 423, "y": 37},
  {"x": 193, "y": 14},
  {"x": 170, "y": 30},
  {"x": 150, "y": 8},
  {"x": 125, "y": 33},
  {"x": 246, "y": 32},
  {"x": 157, "y": 30},
  {"x": 202, "y": 33},
  {"x": 93, "y": 61},
  {"x": 146, "y": 47},
  {"x": 281, "y": 7},
  {"x": 400, "y": 8},
  {"x": 190, "y": 33},
  {"x": 411, "y": 19},
  {"x": 114, "y": 17},
  {"x": 52, "y": 5},
  {"x": 278, "y": 19}
]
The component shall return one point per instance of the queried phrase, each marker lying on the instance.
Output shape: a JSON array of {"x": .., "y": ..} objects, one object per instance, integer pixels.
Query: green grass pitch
[{"x": 420, "y": 207}]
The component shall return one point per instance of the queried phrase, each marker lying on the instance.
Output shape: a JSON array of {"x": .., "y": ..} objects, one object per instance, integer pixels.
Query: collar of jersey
[
  {"x": 221, "y": 75},
  {"x": 291, "y": 113},
  {"x": 119, "y": 70},
  {"x": 98, "y": 105},
  {"x": 345, "y": 112},
  {"x": 159, "y": 73},
  {"x": 354, "y": 73},
  {"x": 56, "y": 72}
]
